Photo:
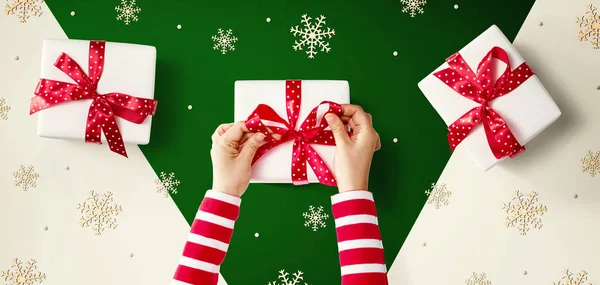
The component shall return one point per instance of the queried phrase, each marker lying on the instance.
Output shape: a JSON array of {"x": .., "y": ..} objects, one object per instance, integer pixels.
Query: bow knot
[{"x": 480, "y": 88}]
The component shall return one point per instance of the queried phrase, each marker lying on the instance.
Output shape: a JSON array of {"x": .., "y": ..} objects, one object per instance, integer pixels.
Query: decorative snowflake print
[
  {"x": 22, "y": 274},
  {"x": 438, "y": 195},
  {"x": 99, "y": 212},
  {"x": 4, "y": 108},
  {"x": 478, "y": 279},
  {"x": 166, "y": 184},
  {"x": 589, "y": 27},
  {"x": 591, "y": 163},
  {"x": 413, "y": 6},
  {"x": 26, "y": 178},
  {"x": 524, "y": 212},
  {"x": 571, "y": 279},
  {"x": 285, "y": 279},
  {"x": 313, "y": 35},
  {"x": 24, "y": 9},
  {"x": 315, "y": 218},
  {"x": 128, "y": 11},
  {"x": 224, "y": 41}
]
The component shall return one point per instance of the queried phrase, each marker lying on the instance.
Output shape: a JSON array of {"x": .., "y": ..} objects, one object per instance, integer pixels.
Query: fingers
[
  {"x": 250, "y": 147},
  {"x": 378, "y": 143},
  {"x": 220, "y": 131},
  {"x": 338, "y": 128},
  {"x": 357, "y": 114},
  {"x": 235, "y": 133}
]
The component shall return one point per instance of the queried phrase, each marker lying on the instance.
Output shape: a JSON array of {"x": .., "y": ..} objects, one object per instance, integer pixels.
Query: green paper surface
[{"x": 190, "y": 72}]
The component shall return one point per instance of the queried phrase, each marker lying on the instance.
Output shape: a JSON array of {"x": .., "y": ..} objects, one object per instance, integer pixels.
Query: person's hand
[
  {"x": 232, "y": 152},
  {"x": 353, "y": 155}
]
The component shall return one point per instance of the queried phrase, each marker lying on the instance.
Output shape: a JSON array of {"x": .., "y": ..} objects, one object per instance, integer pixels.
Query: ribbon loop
[
  {"x": 103, "y": 108},
  {"x": 482, "y": 89},
  {"x": 311, "y": 131}
]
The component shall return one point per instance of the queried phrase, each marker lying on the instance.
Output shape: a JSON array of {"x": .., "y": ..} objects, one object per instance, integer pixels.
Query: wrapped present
[
  {"x": 294, "y": 109},
  {"x": 96, "y": 91},
  {"x": 495, "y": 110}
]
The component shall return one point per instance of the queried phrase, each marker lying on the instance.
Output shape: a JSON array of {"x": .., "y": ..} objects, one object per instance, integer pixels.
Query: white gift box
[
  {"x": 275, "y": 165},
  {"x": 128, "y": 69},
  {"x": 527, "y": 110}
]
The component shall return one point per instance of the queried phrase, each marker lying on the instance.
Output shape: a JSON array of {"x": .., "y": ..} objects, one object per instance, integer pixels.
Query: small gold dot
[
  {"x": 541, "y": 24},
  {"x": 575, "y": 196},
  {"x": 131, "y": 255},
  {"x": 424, "y": 244},
  {"x": 525, "y": 272},
  {"x": 46, "y": 228}
]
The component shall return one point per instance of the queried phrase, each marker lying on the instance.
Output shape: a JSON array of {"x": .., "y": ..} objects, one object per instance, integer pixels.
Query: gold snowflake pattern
[
  {"x": 524, "y": 212},
  {"x": 166, "y": 184},
  {"x": 99, "y": 212},
  {"x": 127, "y": 12},
  {"x": 413, "y": 6},
  {"x": 22, "y": 274},
  {"x": 478, "y": 279},
  {"x": 571, "y": 279},
  {"x": 589, "y": 25},
  {"x": 4, "y": 108},
  {"x": 284, "y": 279},
  {"x": 438, "y": 195},
  {"x": 24, "y": 9},
  {"x": 224, "y": 41},
  {"x": 591, "y": 163},
  {"x": 26, "y": 177}
]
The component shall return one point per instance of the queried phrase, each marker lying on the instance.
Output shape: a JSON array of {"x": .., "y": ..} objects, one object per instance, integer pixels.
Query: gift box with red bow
[
  {"x": 294, "y": 109},
  {"x": 96, "y": 91},
  {"x": 490, "y": 98}
]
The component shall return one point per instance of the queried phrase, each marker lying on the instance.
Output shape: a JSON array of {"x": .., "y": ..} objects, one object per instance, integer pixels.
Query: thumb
[
  {"x": 250, "y": 147},
  {"x": 338, "y": 128}
]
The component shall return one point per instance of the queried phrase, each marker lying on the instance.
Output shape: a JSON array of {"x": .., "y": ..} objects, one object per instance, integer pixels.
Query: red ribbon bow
[
  {"x": 310, "y": 132},
  {"x": 480, "y": 89},
  {"x": 104, "y": 107}
]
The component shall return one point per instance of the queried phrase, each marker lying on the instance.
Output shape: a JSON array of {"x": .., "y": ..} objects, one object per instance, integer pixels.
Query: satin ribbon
[
  {"x": 103, "y": 108},
  {"x": 311, "y": 131},
  {"x": 480, "y": 88}
]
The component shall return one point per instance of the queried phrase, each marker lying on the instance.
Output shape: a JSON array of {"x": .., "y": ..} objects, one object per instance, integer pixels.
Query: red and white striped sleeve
[
  {"x": 359, "y": 240},
  {"x": 208, "y": 240}
]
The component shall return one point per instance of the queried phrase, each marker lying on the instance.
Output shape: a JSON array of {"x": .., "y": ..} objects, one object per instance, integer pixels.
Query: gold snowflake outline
[
  {"x": 589, "y": 26},
  {"x": 24, "y": 9},
  {"x": 591, "y": 163},
  {"x": 26, "y": 178},
  {"x": 99, "y": 212},
  {"x": 128, "y": 11},
  {"x": 524, "y": 212},
  {"x": 18, "y": 274},
  {"x": 478, "y": 279},
  {"x": 571, "y": 279},
  {"x": 285, "y": 279},
  {"x": 438, "y": 195},
  {"x": 4, "y": 108},
  {"x": 166, "y": 184}
]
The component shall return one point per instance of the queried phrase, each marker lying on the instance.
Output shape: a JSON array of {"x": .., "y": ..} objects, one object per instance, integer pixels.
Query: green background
[{"x": 190, "y": 72}]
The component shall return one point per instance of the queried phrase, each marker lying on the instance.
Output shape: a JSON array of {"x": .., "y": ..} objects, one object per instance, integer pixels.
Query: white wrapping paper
[
  {"x": 128, "y": 69},
  {"x": 527, "y": 110},
  {"x": 275, "y": 165}
]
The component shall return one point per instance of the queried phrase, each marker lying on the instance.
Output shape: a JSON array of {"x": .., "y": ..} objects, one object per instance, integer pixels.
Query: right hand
[{"x": 353, "y": 155}]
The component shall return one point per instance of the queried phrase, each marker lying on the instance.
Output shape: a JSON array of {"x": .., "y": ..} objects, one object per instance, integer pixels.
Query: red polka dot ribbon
[
  {"x": 104, "y": 107},
  {"x": 482, "y": 90},
  {"x": 311, "y": 131}
]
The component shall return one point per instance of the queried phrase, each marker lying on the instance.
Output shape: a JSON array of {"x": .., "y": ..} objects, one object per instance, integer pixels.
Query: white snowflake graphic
[
  {"x": 438, "y": 195},
  {"x": 4, "y": 108},
  {"x": 591, "y": 163},
  {"x": 589, "y": 25},
  {"x": 224, "y": 41},
  {"x": 284, "y": 279},
  {"x": 20, "y": 274},
  {"x": 24, "y": 9},
  {"x": 524, "y": 212},
  {"x": 315, "y": 218},
  {"x": 166, "y": 184},
  {"x": 413, "y": 6},
  {"x": 99, "y": 212},
  {"x": 127, "y": 12},
  {"x": 26, "y": 177},
  {"x": 571, "y": 279},
  {"x": 313, "y": 35},
  {"x": 478, "y": 279}
]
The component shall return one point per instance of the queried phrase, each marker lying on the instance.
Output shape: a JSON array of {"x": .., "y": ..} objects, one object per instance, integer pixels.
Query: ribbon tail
[
  {"x": 461, "y": 128},
  {"x": 501, "y": 140},
  {"x": 319, "y": 167},
  {"x": 299, "y": 156}
]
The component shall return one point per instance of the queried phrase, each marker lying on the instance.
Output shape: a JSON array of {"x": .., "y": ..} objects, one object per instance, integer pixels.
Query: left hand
[{"x": 232, "y": 152}]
